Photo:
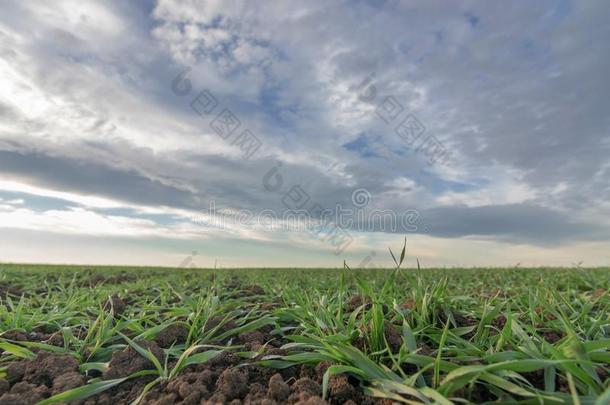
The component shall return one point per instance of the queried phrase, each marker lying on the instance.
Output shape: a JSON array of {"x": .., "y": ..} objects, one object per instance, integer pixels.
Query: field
[{"x": 159, "y": 336}]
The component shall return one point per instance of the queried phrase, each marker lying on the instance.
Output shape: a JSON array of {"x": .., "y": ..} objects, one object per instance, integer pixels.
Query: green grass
[{"x": 411, "y": 335}]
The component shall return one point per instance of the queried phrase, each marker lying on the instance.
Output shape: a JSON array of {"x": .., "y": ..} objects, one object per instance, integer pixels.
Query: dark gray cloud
[
  {"x": 515, "y": 223},
  {"x": 83, "y": 177}
]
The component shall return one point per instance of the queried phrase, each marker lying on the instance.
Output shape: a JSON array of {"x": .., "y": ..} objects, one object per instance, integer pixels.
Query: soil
[
  {"x": 126, "y": 362},
  {"x": 7, "y": 289},
  {"x": 393, "y": 336},
  {"x": 22, "y": 336},
  {"x": 99, "y": 279},
  {"x": 224, "y": 380},
  {"x": 409, "y": 303},
  {"x": 30, "y": 381},
  {"x": 46, "y": 334},
  {"x": 498, "y": 322},
  {"x": 173, "y": 334},
  {"x": 391, "y": 333},
  {"x": 116, "y": 305},
  {"x": 598, "y": 293},
  {"x": 356, "y": 301},
  {"x": 547, "y": 316},
  {"x": 552, "y": 336},
  {"x": 254, "y": 289}
]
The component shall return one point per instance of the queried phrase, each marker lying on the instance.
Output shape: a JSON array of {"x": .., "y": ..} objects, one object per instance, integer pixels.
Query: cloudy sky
[{"x": 126, "y": 126}]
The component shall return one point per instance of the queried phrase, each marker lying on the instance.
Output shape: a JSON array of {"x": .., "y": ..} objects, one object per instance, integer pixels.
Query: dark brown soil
[
  {"x": 552, "y": 336},
  {"x": 173, "y": 334},
  {"x": 44, "y": 334},
  {"x": 409, "y": 303},
  {"x": 393, "y": 336},
  {"x": 498, "y": 322},
  {"x": 217, "y": 320},
  {"x": 24, "y": 393},
  {"x": 99, "y": 279},
  {"x": 4, "y": 386},
  {"x": 340, "y": 389},
  {"x": 31, "y": 381},
  {"x": 116, "y": 305},
  {"x": 128, "y": 361},
  {"x": 10, "y": 289},
  {"x": 254, "y": 289},
  {"x": 356, "y": 301},
  {"x": 223, "y": 380}
]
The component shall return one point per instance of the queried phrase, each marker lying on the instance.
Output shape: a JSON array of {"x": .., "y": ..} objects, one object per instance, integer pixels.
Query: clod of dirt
[
  {"x": 47, "y": 366},
  {"x": 340, "y": 389},
  {"x": 45, "y": 328},
  {"x": 224, "y": 360},
  {"x": 425, "y": 350},
  {"x": 226, "y": 326},
  {"x": 409, "y": 303},
  {"x": 552, "y": 336},
  {"x": 356, "y": 301},
  {"x": 464, "y": 320},
  {"x": 24, "y": 393},
  {"x": 188, "y": 388},
  {"x": 165, "y": 399},
  {"x": 598, "y": 293},
  {"x": 10, "y": 289},
  {"x": 257, "y": 395},
  {"x": 307, "y": 385},
  {"x": 269, "y": 306},
  {"x": 232, "y": 383},
  {"x": 253, "y": 340},
  {"x": 67, "y": 381},
  {"x": 393, "y": 336},
  {"x": 498, "y": 322},
  {"x": 312, "y": 401},
  {"x": 4, "y": 386},
  {"x": 56, "y": 339},
  {"x": 15, "y": 335},
  {"x": 320, "y": 369},
  {"x": 116, "y": 304},
  {"x": 128, "y": 361},
  {"x": 278, "y": 389},
  {"x": 306, "y": 391},
  {"x": 254, "y": 289},
  {"x": 173, "y": 334},
  {"x": 216, "y": 399},
  {"x": 15, "y": 370},
  {"x": 98, "y": 279}
]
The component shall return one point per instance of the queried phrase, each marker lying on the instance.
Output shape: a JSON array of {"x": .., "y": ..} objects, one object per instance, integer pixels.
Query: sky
[{"x": 186, "y": 133}]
